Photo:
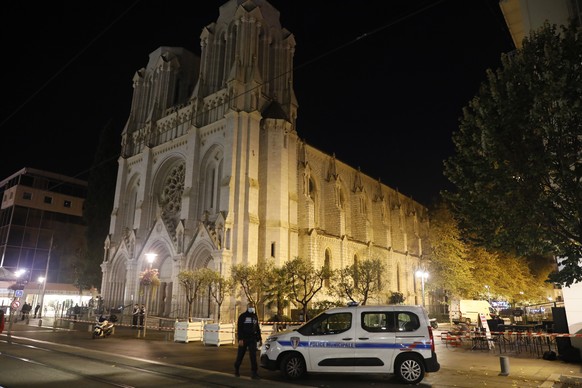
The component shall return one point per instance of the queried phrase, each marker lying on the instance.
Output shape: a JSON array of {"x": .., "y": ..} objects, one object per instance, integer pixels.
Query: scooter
[
  {"x": 434, "y": 323},
  {"x": 103, "y": 328}
]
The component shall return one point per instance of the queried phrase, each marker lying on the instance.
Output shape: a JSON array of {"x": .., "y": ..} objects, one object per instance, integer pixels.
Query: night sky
[{"x": 379, "y": 83}]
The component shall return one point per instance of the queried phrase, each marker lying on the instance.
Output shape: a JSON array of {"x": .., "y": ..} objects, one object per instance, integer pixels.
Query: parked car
[{"x": 391, "y": 339}]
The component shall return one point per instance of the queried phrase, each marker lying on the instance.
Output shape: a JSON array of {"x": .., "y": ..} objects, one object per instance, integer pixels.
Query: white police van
[{"x": 392, "y": 339}]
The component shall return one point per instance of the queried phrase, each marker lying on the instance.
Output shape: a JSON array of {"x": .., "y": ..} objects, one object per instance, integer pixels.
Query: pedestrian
[
  {"x": 25, "y": 310},
  {"x": 76, "y": 310},
  {"x": 142, "y": 311},
  {"x": 36, "y": 309},
  {"x": 248, "y": 334},
  {"x": 135, "y": 315}
]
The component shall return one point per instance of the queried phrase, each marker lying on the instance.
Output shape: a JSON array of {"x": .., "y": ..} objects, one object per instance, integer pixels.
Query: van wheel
[
  {"x": 293, "y": 366},
  {"x": 409, "y": 370}
]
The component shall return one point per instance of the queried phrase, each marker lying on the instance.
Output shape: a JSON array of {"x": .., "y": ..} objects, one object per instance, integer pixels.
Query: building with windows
[
  {"x": 213, "y": 174},
  {"x": 41, "y": 224}
]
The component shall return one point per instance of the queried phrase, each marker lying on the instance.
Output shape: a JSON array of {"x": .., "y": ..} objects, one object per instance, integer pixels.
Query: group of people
[
  {"x": 26, "y": 309},
  {"x": 138, "y": 315}
]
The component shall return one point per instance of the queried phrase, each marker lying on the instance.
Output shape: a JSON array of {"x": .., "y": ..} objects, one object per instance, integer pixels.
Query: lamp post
[
  {"x": 150, "y": 257},
  {"x": 48, "y": 261},
  {"x": 40, "y": 280},
  {"x": 423, "y": 275}
]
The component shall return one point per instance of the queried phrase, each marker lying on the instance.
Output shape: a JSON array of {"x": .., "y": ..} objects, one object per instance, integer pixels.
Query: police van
[{"x": 391, "y": 339}]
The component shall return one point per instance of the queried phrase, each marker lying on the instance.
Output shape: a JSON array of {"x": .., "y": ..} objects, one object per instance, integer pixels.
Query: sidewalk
[{"x": 491, "y": 367}]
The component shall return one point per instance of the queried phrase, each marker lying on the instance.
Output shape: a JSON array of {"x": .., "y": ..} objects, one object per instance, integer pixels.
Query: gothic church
[{"x": 213, "y": 173}]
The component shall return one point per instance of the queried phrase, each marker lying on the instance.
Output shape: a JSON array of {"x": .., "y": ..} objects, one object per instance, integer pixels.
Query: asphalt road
[{"x": 460, "y": 366}]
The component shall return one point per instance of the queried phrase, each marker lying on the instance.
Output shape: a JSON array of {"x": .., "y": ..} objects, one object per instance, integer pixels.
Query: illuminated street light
[
  {"x": 150, "y": 257},
  {"x": 423, "y": 275}
]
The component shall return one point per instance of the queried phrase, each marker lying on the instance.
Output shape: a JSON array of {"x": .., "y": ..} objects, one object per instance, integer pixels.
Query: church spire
[{"x": 247, "y": 60}]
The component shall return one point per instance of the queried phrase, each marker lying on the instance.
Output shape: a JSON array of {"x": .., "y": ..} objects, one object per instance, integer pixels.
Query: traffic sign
[
  {"x": 18, "y": 293},
  {"x": 15, "y": 304}
]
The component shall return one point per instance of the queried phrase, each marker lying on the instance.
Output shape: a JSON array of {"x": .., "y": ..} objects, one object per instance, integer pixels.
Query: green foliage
[
  {"x": 254, "y": 280},
  {"x": 306, "y": 281},
  {"x": 449, "y": 268},
  {"x": 462, "y": 269},
  {"x": 396, "y": 298},
  {"x": 194, "y": 281},
  {"x": 220, "y": 287},
  {"x": 517, "y": 167},
  {"x": 360, "y": 281},
  {"x": 278, "y": 291}
]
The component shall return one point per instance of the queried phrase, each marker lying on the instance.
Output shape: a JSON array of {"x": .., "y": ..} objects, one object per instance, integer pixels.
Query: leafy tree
[
  {"x": 450, "y": 270},
  {"x": 278, "y": 291},
  {"x": 518, "y": 167},
  {"x": 220, "y": 287},
  {"x": 396, "y": 297},
  {"x": 306, "y": 281},
  {"x": 254, "y": 281},
  {"x": 360, "y": 281},
  {"x": 463, "y": 269},
  {"x": 193, "y": 282}
]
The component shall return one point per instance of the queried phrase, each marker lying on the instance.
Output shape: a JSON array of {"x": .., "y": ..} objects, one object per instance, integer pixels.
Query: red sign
[{"x": 15, "y": 304}]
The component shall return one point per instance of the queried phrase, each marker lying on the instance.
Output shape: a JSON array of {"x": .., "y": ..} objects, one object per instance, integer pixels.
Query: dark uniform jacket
[{"x": 248, "y": 327}]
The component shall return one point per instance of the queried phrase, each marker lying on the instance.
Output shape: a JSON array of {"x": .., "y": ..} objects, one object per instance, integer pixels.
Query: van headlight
[{"x": 269, "y": 341}]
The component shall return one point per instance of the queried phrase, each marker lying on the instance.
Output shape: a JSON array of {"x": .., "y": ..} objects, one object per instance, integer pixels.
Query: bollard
[
  {"x": 504, "y": 363},
  {"x": 90, "y": 328},
  {"x": 39, "y": 322}
]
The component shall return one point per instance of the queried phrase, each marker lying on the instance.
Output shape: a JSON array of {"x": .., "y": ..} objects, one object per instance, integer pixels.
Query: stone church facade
[{"x": 213, "y": 174}]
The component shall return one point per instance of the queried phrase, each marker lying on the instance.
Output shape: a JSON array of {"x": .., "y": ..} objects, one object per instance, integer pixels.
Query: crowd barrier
[{"x": 200, "y": 329}]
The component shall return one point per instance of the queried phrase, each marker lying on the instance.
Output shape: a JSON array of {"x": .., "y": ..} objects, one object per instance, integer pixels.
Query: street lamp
[
  {"x": 40, "y": 281},
  {"x": 150, "y": 257},
  {"x": 423, "y": 275}
]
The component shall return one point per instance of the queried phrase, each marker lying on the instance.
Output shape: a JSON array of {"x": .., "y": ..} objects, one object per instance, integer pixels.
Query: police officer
[{"x": 248, "y": 334}]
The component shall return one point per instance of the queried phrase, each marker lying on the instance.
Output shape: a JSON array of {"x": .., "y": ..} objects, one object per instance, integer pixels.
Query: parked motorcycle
[
  {"x": 434, "y": 323},
  {"x": 103, "y": 328}
]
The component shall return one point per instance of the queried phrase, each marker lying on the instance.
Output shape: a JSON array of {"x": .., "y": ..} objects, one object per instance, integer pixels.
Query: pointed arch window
[
  {"x": 212, "y": 178},
  {"x": 130, "y": 206},
  {"x": 356, "y": 271},
  {"x": 327, "y": 266}
]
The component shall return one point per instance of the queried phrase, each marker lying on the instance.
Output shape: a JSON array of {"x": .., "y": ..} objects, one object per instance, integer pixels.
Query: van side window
[
  {"x": 408, "y": 321},
  {"x": 378, "y": 322}
]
